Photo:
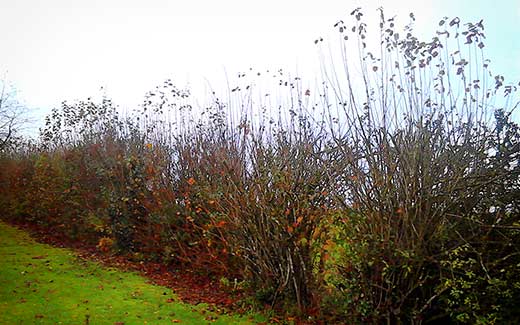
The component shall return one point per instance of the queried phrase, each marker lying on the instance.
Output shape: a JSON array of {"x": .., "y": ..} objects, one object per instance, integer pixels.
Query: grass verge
[{"x": 45, "y": 285}]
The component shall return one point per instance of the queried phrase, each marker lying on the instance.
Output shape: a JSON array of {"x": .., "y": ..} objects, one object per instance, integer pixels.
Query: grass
[{"x": 40, "y": 284}]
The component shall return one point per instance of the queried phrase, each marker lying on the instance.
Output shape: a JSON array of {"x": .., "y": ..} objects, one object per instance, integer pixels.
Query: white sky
[{"x": 56, "y": 50}]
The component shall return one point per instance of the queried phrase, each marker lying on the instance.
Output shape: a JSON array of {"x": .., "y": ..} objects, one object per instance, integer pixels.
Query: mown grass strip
[{"x": 40, "y": 284}]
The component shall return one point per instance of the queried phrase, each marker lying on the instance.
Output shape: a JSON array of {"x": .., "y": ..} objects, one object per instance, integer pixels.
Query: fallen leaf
[{"x": 175, "y": 321}]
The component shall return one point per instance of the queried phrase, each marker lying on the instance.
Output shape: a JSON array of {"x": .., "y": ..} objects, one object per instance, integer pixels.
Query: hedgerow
[{"x": 391, "y": 194}]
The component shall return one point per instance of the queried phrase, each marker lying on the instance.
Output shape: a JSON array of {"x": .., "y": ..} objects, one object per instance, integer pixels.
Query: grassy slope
[{"x": 41, "y": 284}]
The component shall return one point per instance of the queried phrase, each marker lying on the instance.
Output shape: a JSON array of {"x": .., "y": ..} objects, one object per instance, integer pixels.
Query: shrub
[
  {"x": 430, "y": 188},
  {"x": 392, "y": 198}
]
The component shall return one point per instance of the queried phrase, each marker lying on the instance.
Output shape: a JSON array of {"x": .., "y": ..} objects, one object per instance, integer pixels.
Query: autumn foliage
[{"x": 392, "y": 197}]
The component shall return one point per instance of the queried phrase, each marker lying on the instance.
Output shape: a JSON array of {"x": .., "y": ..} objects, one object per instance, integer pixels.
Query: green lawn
[{"x": 40, "y": 284}]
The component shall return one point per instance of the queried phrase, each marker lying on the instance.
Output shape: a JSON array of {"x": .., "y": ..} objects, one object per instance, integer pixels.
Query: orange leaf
[
  {"x": 191, "y": 181},
  {"x": 290, "y": 229},
  {"x": 325, "y": 257}
]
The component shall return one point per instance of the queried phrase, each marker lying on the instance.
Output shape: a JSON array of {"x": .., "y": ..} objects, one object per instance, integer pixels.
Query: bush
[
  {"x": 430, "y": 183},
  {"x": 392, "y": 198}
]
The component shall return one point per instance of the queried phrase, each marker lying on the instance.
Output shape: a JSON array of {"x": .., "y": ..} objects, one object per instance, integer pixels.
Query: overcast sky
[{"x": 56, "y": 50}]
